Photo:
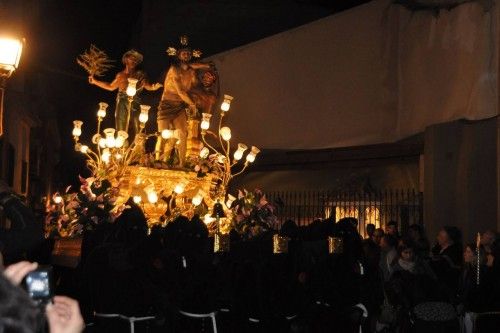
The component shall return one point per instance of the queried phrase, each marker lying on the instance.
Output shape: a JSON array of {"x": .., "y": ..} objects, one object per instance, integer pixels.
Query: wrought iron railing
[{"x": 379, "y": 207}]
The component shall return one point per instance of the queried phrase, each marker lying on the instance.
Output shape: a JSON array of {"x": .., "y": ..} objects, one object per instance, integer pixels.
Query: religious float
[{"x": 188, "y": 172}]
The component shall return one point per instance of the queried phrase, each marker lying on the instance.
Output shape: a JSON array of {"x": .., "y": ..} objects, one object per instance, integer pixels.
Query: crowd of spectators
[{"x": 387, "y": 282}]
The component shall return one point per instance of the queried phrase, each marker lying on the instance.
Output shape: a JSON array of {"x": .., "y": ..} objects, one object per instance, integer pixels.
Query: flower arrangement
[
  {"x": 70, "y": 214},
  {"x": 253, "y": 214}
]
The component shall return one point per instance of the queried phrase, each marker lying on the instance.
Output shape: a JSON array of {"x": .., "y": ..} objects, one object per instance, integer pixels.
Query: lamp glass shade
[
  {"x": 102, "y": 142},
  {"x": 10, "y": 53},
  {"x": 205, "y": 121},
  {"x": 238, "y": 154},
  {"x": 250, "y": 157},
  {"x": 77, "y": 128},
  {"x": 204, "y": 152},
  {"x": 226, "y": 104},
  {"x": 225, "y": 133},
  {"x": 197, "y": 199},
  {"x": 131, "y": 88},
  {"x": 143, "y": 117},
  {"x": 152, "y": 197},
  {"x": 106, "y": 155},
  {"x": 252, "y": 154},
  {"x": 207, "y": 219},
  {"x": 179, "y": 188},
  {"x": 120, "y": 138},
  {"x": 101, "y": 113},
  {"x": 110, "y": 137}
]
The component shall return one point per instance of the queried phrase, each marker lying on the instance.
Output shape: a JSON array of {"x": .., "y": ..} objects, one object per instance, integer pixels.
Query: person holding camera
[{"x": 19, "y": 313}]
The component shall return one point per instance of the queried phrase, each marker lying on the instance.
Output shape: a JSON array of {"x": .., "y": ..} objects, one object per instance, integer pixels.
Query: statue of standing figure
[
  {"x": 127, "y": 110},
  {"x": 188, "y": 89}
]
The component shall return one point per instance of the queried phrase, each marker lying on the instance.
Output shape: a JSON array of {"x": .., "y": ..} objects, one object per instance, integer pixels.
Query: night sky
[{"x": 67, "y": 28}]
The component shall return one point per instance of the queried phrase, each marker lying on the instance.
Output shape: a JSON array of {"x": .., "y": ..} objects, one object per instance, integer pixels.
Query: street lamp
[{"x": 10, "y": 54}]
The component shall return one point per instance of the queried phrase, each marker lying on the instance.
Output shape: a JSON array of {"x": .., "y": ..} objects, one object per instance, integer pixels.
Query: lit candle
[
  {"x": 225, "y": 133},
  {"x": 101, "y": 113},
  {"x": 205, "y": 121},
  {"x": 152, "y": 197},
  {"x": 197, "y": 199},
  {"x": 143, "y": 117},
  {"x": 131, "y": 88},
  {"x": 226, "y": 104},
  {"x": 252, "y": 154},
  {"x": 106, "y": 155},
  {"x": 77, "y": 129},
  {"x": 110, "y": 137},
  {"x": 102, "y": 142},
  {"x": 121, "y": 137},
  {"x": 179, "y": 188},
  {"x": 238, "y": 154},
  {"x": 204, "y": 152}
]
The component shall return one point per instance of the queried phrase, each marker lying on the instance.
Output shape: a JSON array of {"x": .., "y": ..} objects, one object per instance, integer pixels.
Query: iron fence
[{"x": 380, "y": 207}]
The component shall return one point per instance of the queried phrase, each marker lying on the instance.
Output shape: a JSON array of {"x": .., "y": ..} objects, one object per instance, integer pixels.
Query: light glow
[
  {"x": 226, "y": 104},
  {"x": 131, "y": 88},
  {"x": 225, "y": 133},
  {"x": 205, "y": 121},
  {"x": 238, "y": 154},
  {"x": 77, "y": 128},
  {"x": 101, "y": 113},
  {"x": 143, "y": 117},
  {"x": 10, "y": 53}
]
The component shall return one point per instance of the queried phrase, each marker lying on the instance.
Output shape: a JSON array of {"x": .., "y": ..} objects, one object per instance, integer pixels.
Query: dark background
[{"x": 61, "y": 30}]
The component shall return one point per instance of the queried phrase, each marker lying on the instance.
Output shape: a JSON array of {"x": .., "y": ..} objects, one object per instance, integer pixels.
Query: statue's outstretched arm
[
  {"x": 152, "y": 87},
  {"x": 105, "y": 85},
  {"x": 201, "y": 65}
]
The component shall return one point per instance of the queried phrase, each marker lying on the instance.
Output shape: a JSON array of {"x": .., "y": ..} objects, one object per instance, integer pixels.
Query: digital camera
[{"x": 39, "y": 284}]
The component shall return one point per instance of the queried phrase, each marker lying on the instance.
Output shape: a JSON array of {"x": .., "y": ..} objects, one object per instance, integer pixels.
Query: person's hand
[
  {"x": 64, "y": 316},
  {"x": 157, "y": 86},
  {"x": 15, "y": 273},
  {"x": 91, "y": 79},
  {"x": 490, "y": 260}
]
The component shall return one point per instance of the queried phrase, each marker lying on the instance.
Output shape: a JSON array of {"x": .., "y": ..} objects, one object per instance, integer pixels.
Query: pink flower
[
  {"x": 73, "y": 204},
  {"x": 262, "y": 201}
]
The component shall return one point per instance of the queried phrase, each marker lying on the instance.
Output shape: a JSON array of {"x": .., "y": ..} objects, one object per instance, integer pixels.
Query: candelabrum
[
  {"x": 160, "y": 197},
  {"x": 112, "y": 151},
  {"x": 225, "y": 166}
]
